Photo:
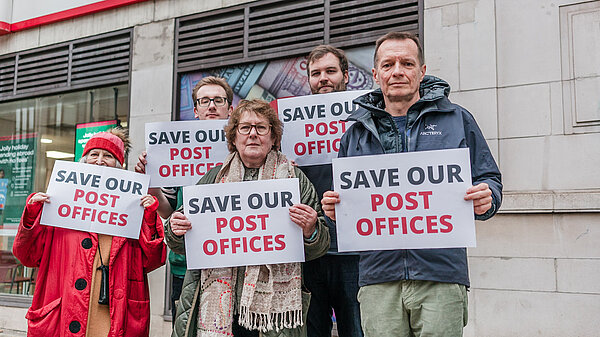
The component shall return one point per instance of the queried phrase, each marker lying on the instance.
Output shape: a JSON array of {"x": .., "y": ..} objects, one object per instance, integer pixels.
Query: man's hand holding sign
[{"x": 412, "y": 200}]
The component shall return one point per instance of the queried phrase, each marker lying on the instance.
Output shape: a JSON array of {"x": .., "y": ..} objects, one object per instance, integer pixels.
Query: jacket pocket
[
  {"x": 138, "y": 318},
  {"x": 45, "y": 320}
]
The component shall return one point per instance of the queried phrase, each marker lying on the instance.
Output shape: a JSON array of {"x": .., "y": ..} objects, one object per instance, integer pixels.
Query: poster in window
[
  {"x": 274, "y": 79},
  {"x": 17, "y": 175}
]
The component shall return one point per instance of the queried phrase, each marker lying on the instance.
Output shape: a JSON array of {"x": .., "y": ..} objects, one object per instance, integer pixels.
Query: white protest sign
[
  {"x": 404, "y": 200},
  {"x": 314, "y": 125},
  {"x": 95, "y": 199},
  {"x": 240, "y": 224},
  {"x": 180, "y": 153}
]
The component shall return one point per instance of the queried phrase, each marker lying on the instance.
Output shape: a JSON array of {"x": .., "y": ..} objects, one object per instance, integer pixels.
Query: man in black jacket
[
  {"x": 415, "y": 292},
  {"x": 333, "y": 278}
]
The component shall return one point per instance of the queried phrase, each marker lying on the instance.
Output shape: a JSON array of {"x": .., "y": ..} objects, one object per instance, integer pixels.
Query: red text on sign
[
  {"x": 93, "y": 215},
  {"x": 323, "y": 128},
  {"x": 91, "y": 197},
  {"x": 394, "y": 201},
  {"x": 185, "y": 170},
  {"x": 317, "y": 146},
  {"x": 237, "y": 223},
  {"x": 403, "y": 225},
  {"x": 190, "y": 153},
  {"x": 256, "y": 244}
]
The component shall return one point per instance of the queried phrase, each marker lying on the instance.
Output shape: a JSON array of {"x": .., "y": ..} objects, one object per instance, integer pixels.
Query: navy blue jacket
[{"x": 375, "y": 132}]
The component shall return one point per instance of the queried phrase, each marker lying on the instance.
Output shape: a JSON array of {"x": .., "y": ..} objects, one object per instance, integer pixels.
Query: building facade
[{"x": 529, "y": 71}]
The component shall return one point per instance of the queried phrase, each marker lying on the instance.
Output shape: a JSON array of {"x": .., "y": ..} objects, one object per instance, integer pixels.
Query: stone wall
[{"x": 529, "y": 71}]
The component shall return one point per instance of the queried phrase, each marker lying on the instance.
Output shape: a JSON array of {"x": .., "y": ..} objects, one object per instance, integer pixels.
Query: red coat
[{"x": 65, "y": 258}]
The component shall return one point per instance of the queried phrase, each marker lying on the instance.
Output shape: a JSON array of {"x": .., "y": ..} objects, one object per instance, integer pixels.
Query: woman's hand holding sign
[
  {"x": 147, "y": 201},
  {"x": 39, "y": 197},
  {"x": 179, "y": 223},
  {"x": 305, "y": 217}
]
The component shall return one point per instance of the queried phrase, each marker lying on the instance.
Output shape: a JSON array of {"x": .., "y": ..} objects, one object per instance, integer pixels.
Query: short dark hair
[
  {"x": 399, "y": 36},
  {"x": 214, "y": 81},
  {"x": 261, "y": 108},
  {"x": 324, "y": 49}
]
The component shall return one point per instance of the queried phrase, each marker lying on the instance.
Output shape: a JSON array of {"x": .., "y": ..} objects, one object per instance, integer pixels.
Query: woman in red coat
[{"x": 67, "y": 299}]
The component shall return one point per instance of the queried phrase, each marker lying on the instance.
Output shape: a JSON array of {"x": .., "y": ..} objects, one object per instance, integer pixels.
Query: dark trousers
[
  {"x": 240, "y": 331},
  {"x": 176, "y": 283},
  {"x": 333, "y": 282}
]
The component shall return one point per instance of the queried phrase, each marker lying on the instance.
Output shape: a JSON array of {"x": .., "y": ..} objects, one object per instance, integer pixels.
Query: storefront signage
[
  {"x": 246, "y": 223},
  {"x": 17, "y": 175},
  {"x": 96, "y": 199},
  {"x": 404, "y": 200},
  {"x": 85, "y": 131}
]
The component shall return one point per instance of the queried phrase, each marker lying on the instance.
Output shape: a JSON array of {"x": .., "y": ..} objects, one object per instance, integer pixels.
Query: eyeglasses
[
  {"x": 205, "y": 101},
  {"x": 261, "y": 129}
]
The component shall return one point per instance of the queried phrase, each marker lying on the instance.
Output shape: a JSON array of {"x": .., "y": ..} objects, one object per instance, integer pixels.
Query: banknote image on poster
[
  {"x": 17, "y": 175},
  {"x": 273, "y": 79}
]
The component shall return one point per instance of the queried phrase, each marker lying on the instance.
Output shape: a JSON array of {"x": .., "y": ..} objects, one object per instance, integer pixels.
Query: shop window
[{"x": 34, "y": 133}]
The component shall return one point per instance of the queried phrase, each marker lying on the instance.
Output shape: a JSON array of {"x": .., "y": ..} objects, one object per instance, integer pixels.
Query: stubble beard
[{"x": 336, "y": 88}]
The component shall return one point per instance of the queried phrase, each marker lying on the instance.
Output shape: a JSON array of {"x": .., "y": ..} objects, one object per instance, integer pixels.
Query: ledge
[{"x": 550, "y": 202}]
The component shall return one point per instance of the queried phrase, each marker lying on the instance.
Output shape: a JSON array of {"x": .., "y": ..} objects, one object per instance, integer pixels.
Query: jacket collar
[{"x": 432, "y": 90}]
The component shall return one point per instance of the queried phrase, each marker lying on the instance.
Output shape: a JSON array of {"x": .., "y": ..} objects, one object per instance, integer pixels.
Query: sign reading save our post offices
[
  {"x": 96, "y": 199},
  {"x": 315, "y": 124},
  {"x": 180, "y": 153},
  {"x": 245, "y": 223},
  {"x": 405, "y": 200}
]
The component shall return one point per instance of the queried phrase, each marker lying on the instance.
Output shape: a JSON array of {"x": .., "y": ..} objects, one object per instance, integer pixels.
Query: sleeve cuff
[
  {"x": 313, "y": 237},
  {"x": 490, "y": 212}
]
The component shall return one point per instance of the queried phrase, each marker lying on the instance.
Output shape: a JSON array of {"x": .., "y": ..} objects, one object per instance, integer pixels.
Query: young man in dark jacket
[
  {"x": 332, "y": 279},
  {"x": 415, "y": 292}
]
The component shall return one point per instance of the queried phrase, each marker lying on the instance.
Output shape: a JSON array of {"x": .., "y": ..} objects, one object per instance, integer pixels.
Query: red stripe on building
[
  {"x": 4, "y": 27},
  {"x": 71, "y": 13}
]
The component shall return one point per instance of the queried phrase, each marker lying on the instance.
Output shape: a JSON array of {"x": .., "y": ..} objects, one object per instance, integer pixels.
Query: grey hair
[{"x": 84, "y": 160}]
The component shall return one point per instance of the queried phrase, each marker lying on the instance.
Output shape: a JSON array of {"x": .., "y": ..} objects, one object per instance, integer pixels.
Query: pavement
[{"x": 12, "y": 333}]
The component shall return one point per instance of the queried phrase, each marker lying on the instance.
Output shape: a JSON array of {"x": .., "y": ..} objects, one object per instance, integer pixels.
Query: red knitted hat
[{"x": 109, "y": 142}]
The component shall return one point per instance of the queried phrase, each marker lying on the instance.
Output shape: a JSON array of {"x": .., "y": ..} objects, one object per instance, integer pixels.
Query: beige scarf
[{"x": 271, "y": 296}]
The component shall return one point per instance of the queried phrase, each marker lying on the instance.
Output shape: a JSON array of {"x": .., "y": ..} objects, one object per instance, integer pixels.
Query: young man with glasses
[{"x": 213, "y": 99}]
